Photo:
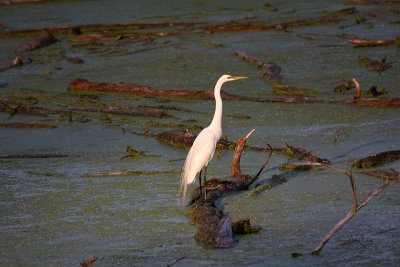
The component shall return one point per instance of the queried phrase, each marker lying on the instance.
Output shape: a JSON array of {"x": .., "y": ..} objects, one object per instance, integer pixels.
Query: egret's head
[{"x": 228, "y": 78}]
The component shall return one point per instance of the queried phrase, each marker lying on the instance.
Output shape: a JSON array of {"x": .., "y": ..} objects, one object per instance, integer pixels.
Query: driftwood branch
[
  {"x": 262, "y": 167},
  {"x": 356, "y": 207},
  {"x": 350, "y": 215},
  {"x": 235, "y": 169}
]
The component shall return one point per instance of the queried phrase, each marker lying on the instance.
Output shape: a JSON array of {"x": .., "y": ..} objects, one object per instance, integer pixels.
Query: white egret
[{"x": 203, "y": 148}]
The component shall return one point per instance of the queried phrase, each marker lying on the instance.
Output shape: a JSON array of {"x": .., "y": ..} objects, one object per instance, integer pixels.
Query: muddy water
[{"x": 51, "y": 214}]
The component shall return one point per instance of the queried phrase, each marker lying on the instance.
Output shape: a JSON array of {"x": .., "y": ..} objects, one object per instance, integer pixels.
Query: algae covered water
[{"x": 53, "y": 213}]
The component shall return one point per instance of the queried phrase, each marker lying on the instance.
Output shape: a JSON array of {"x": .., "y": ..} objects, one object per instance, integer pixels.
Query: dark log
[
  {"x": 378, "y": 159},
  {"x": 44, "y": 39},
  {"x": 376, "y": 65}
]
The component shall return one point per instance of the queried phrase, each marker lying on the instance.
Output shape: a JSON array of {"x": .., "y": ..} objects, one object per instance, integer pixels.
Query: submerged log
[
  {"x": 81, "y": 85},
  {"x": 301, "y": 154},
  {"x": 44, "y": 39},
  {"x": 215, "y": 229},
  {"x": 270, "y": 71}
]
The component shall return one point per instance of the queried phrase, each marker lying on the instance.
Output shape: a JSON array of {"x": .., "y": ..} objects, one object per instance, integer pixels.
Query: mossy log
[
  {"x": 302, "y": 154},
  {"x": 215, "y": 229},
  {"x": 378, "y": 159},
  {"x": 81, "y": 85}
]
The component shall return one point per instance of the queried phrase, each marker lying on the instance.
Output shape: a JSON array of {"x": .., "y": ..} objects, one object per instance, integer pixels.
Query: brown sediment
[{"x": 44, "y": 39}]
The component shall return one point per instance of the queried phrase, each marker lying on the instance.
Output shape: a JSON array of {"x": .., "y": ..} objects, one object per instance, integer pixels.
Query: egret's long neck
[{"x": 216, "y": 122}]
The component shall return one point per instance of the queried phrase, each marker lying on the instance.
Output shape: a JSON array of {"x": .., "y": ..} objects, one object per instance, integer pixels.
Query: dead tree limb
[
  {"x": 356, "y": 207},
  {"x": 350, "y": 215}
]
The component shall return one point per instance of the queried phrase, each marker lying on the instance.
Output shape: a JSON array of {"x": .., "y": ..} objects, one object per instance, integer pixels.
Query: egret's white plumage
[{"x": 203, "y": 148}]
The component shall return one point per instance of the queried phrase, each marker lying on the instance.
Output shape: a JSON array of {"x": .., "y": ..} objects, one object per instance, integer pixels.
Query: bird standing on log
[{"x": 203, "y": 148}]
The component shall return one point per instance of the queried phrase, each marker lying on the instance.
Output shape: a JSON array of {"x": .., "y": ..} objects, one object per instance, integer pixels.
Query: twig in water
[
  {"x": 175, "y": 261},
  {"x": 263, "y": 166}
]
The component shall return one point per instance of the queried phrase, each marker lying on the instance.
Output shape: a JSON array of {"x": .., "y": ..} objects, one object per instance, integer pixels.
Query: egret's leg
[
  {"x": 201, "y": 188},
  {"x": 205, "y": 180}
]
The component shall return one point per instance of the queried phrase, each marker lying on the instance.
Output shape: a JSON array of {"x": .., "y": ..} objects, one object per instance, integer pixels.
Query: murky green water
[{"x": 51, "y": 215}]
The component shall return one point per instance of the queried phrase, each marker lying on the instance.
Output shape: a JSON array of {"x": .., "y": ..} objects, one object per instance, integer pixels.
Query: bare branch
[{"x": 263, "y": 166}]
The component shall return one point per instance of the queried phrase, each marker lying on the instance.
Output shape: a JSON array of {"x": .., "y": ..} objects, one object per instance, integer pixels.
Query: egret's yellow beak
[{"x": 238, "y": 78}]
